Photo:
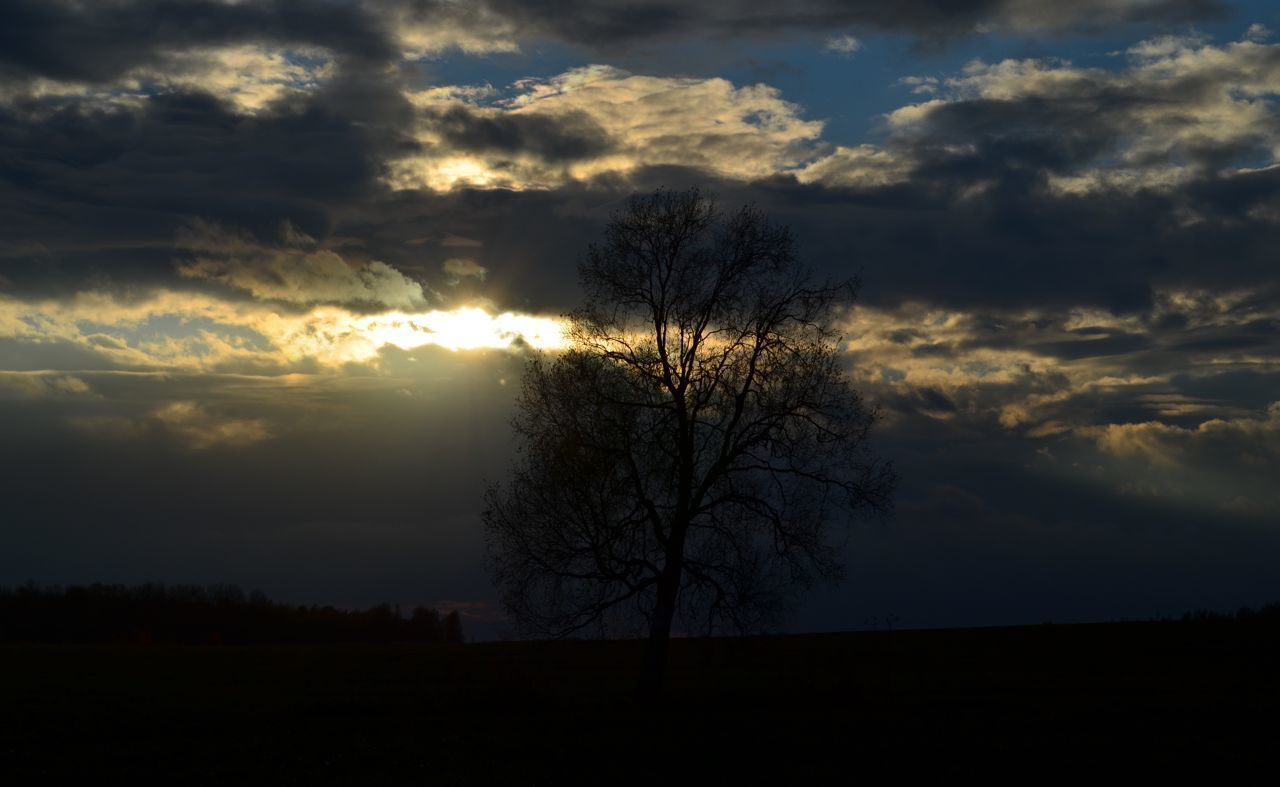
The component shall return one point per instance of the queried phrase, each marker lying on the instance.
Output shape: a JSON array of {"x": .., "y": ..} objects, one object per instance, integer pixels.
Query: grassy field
[{"x": 813, "y": 708}]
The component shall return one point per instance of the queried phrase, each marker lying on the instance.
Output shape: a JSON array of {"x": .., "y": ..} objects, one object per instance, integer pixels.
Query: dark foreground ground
[{"x": 786, "y": 710}]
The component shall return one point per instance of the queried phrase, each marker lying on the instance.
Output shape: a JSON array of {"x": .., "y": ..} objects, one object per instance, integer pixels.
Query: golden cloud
[
  {"x": 1253, "y": 440},
  {"x": 216, "y": 334},
  {"x": 297, "y": 271},
  {"x": 737, "y": 132},
  {"x": 201, "y": 429}
]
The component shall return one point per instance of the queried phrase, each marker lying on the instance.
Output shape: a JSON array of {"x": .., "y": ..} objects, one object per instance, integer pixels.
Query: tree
[{"x": 686, "y": 457}]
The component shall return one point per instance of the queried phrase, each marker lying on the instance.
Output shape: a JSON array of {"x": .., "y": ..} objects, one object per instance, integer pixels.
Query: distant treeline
[
  {"x": 1268, "y": 612},
  {"x": 191, "y": 614}
]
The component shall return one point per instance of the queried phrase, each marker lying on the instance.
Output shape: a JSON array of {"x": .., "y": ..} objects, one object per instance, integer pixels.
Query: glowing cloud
[
  {"x": 596, "y": 120},
  {"x": 169, "y": 330},
  {"x": 297, "y": 271},
  {"x": 335, "y": 335},
  {"x": 843, "y": 44},
  {"x": 200, "y": 429}
]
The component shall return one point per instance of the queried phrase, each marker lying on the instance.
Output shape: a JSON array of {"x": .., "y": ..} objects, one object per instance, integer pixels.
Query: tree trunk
[{"x": 655, "y": 653}]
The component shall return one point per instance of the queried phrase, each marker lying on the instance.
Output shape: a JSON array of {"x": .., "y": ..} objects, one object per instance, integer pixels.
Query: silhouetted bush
[{"x": 192, "y": 614}]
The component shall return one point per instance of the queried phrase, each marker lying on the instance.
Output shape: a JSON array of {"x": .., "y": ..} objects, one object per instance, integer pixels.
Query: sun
[{"x": 359, "y": 337}]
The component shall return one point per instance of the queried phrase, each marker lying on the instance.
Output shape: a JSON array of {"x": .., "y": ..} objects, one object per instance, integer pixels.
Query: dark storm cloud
[
  {"x": 597, "y": 23},
  {"x": 971, "y": 215},
  {"x": 1066, "y": 127},
  {"x": 1007, "y": 249},
  {"x": 101, "y": 190},
  {"x": 1096, "y": 343},
  {"x": 1041, "y": 183},
  {"x": 99, "y": 41},
  {"x": 1251, "y": 389},
  {"x": 103, "y": 194},
  {"x": 1016, "y": 244},
  {"x": 556, "y": 138},
  {"x": 918, "y": 400}
]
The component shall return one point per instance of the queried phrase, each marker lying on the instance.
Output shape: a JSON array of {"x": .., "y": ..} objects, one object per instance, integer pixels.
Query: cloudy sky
[{"x": 270, "y": 270}]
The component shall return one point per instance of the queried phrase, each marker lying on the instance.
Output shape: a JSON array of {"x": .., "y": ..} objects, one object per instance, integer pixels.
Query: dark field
[{"x": 818, "y": 708}]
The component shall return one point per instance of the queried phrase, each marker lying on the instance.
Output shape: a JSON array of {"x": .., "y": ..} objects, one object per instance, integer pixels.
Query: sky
[{"x": 270, "y": 271}]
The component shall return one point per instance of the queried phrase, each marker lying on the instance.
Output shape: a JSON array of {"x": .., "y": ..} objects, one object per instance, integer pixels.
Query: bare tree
[{"x": 687, "y": 457}]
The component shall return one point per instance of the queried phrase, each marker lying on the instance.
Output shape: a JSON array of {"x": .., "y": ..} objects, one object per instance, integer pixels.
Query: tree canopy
[{"x": 687, "y": 457}]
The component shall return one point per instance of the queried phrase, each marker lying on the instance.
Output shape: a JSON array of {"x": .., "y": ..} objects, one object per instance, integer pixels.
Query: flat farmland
[{"x": 813, "y": 707}]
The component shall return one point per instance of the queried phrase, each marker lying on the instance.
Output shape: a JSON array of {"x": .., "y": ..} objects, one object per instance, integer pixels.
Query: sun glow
[
  {"x": 337, "y": 335},
  {"x": 468, "y": 328},
  {"x": 183, "y": 331}
]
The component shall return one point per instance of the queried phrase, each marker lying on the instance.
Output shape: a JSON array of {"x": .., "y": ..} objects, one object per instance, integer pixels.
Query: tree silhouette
[
  {"x": 686, "y": 458},
  {"x": 155, "y": 612}
]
